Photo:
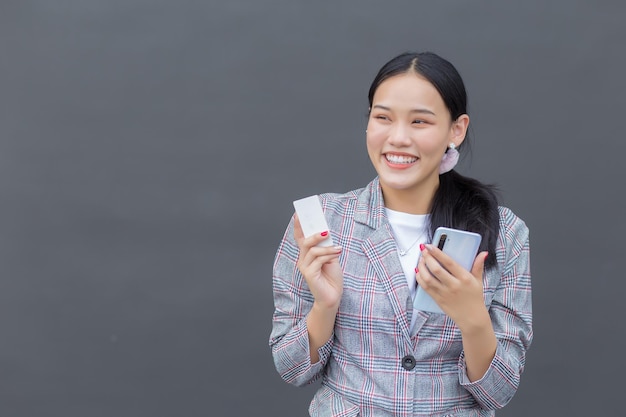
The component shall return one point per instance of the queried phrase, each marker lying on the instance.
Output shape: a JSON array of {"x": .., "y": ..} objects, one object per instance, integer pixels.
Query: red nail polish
[
  {"x": 417, "y": 270},
  {"x": 422, "y": 246},
  {"x": 324, "y": 233},
  {"x": 486, "y": 256}
]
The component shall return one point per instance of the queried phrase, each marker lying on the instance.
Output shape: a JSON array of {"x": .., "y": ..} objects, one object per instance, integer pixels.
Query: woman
[{"x": 345, "y": 313}]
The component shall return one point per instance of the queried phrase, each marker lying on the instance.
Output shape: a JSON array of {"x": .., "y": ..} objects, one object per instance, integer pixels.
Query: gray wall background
[{"x": 150, "y": 151}]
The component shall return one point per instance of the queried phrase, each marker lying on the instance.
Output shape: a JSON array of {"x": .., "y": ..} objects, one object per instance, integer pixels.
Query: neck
[{"x": 411, "y": 201}]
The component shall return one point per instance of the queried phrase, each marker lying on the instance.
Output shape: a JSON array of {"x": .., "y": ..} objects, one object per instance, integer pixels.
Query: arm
[
  {"x": 320, "y": 325},
  {"x": 305, "y": 308},
  {"x": 495, "y": 340},
  {"x": 511, "y": 318},
  {"x": 479, "y": 345},
  {"x": 459, "y": 293}
]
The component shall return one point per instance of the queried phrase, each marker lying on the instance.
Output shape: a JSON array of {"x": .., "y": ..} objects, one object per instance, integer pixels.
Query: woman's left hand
[{"x": 457, "y": 291}]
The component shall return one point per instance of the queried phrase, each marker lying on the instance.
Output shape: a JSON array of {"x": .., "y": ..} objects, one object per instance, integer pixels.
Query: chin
[{"x": 396, "y": 184}]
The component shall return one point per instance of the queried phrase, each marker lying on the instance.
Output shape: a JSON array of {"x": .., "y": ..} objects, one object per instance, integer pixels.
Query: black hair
[{"x": 459, "y": 202}]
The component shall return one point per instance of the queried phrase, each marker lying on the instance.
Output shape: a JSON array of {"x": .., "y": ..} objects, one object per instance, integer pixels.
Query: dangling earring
[{"x": 449, "y": 160}]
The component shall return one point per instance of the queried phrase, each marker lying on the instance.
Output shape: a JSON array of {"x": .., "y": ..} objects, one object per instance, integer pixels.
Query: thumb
[
  {"x": 297, "y": 230},
  {"x": 479, "y": 264}
]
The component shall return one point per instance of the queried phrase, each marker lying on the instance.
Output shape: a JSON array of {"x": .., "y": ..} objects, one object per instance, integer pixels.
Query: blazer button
[{"x": 408, "y": 362}]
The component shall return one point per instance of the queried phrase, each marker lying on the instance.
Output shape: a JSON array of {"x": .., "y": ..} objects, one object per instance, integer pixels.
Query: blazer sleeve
[
  {"x": 289, "y": 339},
  {"x": 511, "y": 316}
]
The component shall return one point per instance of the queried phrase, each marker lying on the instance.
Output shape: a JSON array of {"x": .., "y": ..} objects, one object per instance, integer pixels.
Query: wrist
[
  {"x": 325, "y": 308},
  {"x": 478, "y": 322}
]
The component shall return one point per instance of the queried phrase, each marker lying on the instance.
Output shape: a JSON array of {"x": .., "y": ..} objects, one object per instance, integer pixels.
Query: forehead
[{"x": 407, "y": 90}]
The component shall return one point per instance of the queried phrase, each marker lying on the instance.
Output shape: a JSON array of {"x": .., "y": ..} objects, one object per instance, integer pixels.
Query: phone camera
[{"x": 442, "y": 241}]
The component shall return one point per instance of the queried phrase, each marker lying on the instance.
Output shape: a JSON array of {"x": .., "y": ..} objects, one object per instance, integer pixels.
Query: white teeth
[{"x": 400, "y": 159}]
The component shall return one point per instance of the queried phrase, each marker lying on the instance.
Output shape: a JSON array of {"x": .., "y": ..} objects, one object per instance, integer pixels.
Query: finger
[
  {"x": 434, "y": 265},
  {"x": 479, "y": 265},
  {"x": 313, "y": 266},
  {"x": 451, "y": 267},
  {"x": 320, "y": 261},
  {"x": 313, "y": 240},
  {"x": 425, "y": 277},
  {"x": 319, "y": 251},
  {"x": 306, "y": 242}
]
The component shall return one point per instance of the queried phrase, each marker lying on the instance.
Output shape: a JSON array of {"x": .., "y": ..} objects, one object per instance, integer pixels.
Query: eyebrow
[{"x": 379, "y": 106}]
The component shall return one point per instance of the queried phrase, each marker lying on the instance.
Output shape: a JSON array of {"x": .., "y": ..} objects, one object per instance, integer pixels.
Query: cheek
[
  {"x": 374, "y": 141},
  {"x": 369, "y": 144},
  {"x": 375, "y": 134},
  {"x": 374, "y": 146},
  {"x": 433, "y": 144},
  {"x": 433, "y": 147}
]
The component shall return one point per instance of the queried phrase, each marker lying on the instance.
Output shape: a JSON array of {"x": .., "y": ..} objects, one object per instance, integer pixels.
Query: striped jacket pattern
[{"x": 374, "y": 365}]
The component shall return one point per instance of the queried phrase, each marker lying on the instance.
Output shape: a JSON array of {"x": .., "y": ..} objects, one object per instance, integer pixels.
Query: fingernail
[
  {"x": 422, "y": 246},
  {"x": 417, "y": 270},
  {"x": 324, "y": 233},
  {"x": 486, "y": 255}
]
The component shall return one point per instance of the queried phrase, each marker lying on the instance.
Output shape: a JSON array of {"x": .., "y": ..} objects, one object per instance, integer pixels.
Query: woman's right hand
[{"x": 320, "y": 267}]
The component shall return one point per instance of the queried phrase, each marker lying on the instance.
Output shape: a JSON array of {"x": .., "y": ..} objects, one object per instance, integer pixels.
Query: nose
[{"x": 399, "y": 135}]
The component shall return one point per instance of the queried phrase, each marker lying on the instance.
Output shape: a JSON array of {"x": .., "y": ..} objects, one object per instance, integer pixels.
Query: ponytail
[{"x": 467, "y": 204}]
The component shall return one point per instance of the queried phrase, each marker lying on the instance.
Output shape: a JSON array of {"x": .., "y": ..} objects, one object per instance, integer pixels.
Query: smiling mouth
[{"x": 400, "y": 159}]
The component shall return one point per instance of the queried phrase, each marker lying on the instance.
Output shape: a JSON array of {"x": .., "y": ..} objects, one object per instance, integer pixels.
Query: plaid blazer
[{"x": 374, "y": 365}]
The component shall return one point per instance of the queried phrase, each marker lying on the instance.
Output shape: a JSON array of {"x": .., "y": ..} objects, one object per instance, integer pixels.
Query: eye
[
  {"x": 418, "y": 121},
  {"x": 381, "y": 117}
]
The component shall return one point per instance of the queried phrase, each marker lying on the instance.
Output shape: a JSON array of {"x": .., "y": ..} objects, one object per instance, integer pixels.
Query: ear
[{"x": 459, "y": 129}]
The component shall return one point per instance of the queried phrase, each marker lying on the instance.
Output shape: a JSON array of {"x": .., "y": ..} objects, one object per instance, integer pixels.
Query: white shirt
[{"x": 409, "y": 231}]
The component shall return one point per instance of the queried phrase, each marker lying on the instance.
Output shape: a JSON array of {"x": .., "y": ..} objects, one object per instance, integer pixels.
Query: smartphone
[{"x": 460, "y": 245}]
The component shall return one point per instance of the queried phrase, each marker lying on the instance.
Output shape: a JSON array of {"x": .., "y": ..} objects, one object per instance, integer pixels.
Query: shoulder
[
  {"x": 513, "y": 238},
  {"x": 510, "y": 224},
  {"x": 339, "y": 202},
  {"x": 363, "y": 205},
  {"x": 355, "y": 200}
]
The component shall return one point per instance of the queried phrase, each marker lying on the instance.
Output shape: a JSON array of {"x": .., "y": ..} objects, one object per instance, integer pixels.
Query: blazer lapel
[{"x": 381, "y": 251}]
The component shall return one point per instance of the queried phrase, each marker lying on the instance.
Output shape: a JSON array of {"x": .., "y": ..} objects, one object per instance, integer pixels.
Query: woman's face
[{"x": 408, "y": 131}]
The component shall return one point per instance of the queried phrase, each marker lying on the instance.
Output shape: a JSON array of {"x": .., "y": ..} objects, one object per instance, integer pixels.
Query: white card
[{"x": 312, "y": 218}]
